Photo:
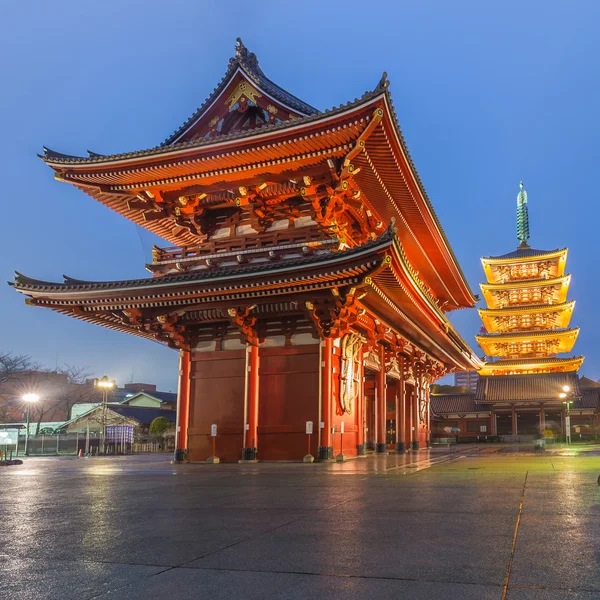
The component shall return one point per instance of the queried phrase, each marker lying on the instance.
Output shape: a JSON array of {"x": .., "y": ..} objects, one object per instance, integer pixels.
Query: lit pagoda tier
[
  {"x": 310, "y": 278},
  {"x": 528, "y": 343},
  {"x": 536, "y": 316},
  {"x": 526, "y": 291},
  {"x": 527, "y": 322}
]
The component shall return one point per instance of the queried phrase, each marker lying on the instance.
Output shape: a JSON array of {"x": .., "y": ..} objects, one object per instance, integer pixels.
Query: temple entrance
[
  {"x": 504, "y": 423},
  {"x": 528, "y": 423},
  {"x": 553, "y": 422}
]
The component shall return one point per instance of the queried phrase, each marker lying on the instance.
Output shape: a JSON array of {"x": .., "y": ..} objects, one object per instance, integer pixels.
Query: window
[{"x": 476, "y": 426}]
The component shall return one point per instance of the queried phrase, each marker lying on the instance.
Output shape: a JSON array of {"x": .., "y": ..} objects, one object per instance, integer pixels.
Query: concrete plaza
[{"x": 475, "y": 525}]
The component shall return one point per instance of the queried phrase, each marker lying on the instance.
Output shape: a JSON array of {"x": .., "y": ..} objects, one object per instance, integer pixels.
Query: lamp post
[
  {"x": 105, "y": 384},
  {"x": 29, "y": 399},
  {"x": 563, "y": 395}
]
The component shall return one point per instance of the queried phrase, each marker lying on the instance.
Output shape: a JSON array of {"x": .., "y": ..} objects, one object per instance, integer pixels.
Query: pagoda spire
[{"x": 522, "y": 217}]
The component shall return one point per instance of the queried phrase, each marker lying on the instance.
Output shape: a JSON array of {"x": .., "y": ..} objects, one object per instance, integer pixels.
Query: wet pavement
[{"x": 474, "y": 524}]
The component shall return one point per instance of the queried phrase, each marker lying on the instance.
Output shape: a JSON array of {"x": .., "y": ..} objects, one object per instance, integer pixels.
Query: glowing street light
[
  {"x": 29, "y": 399},
  {"x": 562, "y": 396},
  {"x": 105, "y": 384}
]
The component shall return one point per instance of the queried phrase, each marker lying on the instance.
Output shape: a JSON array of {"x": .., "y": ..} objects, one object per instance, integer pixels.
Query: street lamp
[
  {"x": 28, "y": 399},
  {"x": 563, "y": 395},
  {"x": 105, "y": 384}
]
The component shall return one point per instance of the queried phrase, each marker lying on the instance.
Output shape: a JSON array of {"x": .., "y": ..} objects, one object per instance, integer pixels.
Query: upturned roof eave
[
  {"x": 508, "y": 259},
  {"x": 27, "y": 285}
]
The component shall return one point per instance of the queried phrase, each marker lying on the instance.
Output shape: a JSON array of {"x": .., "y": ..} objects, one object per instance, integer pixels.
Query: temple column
[
  {"x": 401, "y": 415},
  {"x": 414, "y": 444},
  {"x": 409, "y": 418},
  {"x": 326, "y": 449},
  {"x": 250, "y": 452},
  {"x": 493, "y": 426},
  {"x": 427, "y": 417},
  {"x": 360, "y": 408},
  {"x": 381, "y": 404},
  {"x": 542, "y": 420},
  {"x": 183, "y": 406},
  {"x": 514, "y": 421}
]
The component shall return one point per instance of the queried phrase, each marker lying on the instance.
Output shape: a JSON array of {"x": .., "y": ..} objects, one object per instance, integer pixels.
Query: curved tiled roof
[
  {"x": 517, "y": 362},
  {"x": 60, "y": 161},
  {"x": 525, "y": 253},
  {"x": 455, "y": 403},
  {"x": 25, "y": 283},
  {"x": 527, "y": 334},
  {"x": 248, "y": 63},
  {"x": 536, "y": 387}
]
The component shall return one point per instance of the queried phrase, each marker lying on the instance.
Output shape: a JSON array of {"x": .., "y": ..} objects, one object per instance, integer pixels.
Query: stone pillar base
[
  {"x": 360, "y": 450},
  {"x": 325, "y": 453},
  {"x": 340, "y": 458},
  {"x": 382, "y": 449},
  {"x": 414, "y": 445},
  {"x": 180, "y": 456},
  {"x": 400, "y": 447},
  {"x": 309, "y": 458},
  {"x": 249, "y": 454},
  {"x": 213, "y": 460},
  {"x": 429, "y": 443}
]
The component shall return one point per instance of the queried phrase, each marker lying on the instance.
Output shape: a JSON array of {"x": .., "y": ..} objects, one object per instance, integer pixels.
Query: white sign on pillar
[
  {"x": 213, "y": 430},
  {"x": 309, "y": 427},
  {"x": 342, "y": 427}
]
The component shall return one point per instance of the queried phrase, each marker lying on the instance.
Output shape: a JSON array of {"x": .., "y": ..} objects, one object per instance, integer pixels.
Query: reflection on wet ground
[{"x": 432, "y": 524}]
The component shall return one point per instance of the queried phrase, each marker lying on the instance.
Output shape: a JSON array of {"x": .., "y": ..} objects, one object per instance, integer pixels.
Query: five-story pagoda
[{"x": 527, "y": 326}]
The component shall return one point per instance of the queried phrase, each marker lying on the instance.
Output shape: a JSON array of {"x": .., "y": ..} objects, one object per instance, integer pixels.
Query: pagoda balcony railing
[{"x": 239, "y": 245}]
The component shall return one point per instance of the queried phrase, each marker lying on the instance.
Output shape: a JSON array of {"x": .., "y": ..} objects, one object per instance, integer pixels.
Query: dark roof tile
[{"x": 526, "y": 388}]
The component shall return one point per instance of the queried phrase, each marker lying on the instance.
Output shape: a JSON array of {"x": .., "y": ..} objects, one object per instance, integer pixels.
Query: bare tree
[
  {"x": 75, "y": 390},
  {"x": 13, "y": 366},
  {"x": 13, "y": 369}
]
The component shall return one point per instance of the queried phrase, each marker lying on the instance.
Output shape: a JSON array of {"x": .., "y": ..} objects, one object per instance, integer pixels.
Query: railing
[
  {"x": 237, "y": 245},
  {"x": 70, "y": 444}
]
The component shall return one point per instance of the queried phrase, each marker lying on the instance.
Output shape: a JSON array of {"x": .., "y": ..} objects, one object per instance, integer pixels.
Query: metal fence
[{"x": 71, "y": 444}]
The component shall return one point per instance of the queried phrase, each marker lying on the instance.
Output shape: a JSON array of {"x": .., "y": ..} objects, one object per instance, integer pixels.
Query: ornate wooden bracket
[
  {"x": 334, "y": 317},
  {"x": 246, "y": 322}
]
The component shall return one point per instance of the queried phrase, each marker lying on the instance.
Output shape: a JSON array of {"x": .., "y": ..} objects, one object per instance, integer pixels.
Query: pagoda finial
[{"x": 522, "y": 217}]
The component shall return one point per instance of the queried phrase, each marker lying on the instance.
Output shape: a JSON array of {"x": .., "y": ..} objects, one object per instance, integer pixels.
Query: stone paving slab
[
  {"x": 539, "y": 594},
  {"x": 558, "y": 551},
  {"x": 191, "y": 584},
  {"x": 34, "y": 579},
  {"x": 414, "y": 545}
]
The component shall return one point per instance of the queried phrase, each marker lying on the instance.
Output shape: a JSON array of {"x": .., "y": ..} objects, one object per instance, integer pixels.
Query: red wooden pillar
[
  {"x": 360, "y": 408},
  {"x": 514, "y": 421},
  {"x": 401, "y": 414},
  {"x": 381, "y": 404},
  {"x": 409, "y": 417},
  {"x": 542, "y": 420},
  {"x": 326, "y": 449},
  {"x": 183, "y": 406},
  {"x": 414, "y": 444},
  {"x": 427, "y": 417},
  {"x": 493, "y": 426},
  {"x": 250, "y": 452}
]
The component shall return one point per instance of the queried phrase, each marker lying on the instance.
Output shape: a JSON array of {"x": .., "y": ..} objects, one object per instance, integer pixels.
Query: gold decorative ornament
[{"x": 243, "y": 91}]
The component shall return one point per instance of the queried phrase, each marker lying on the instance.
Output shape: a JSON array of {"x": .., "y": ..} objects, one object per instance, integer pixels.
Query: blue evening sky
[{"x": 486, "y": 93}]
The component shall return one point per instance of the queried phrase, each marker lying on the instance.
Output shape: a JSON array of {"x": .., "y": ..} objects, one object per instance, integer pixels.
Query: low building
[
  {"x": 94, "y": 420},
  {"x": 490, "y": 411}
]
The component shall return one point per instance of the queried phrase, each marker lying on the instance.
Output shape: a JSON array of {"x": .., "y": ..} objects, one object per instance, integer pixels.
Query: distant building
[
  {"x": 464, "y": 415},
  {"x": 467, "y": 380}
]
